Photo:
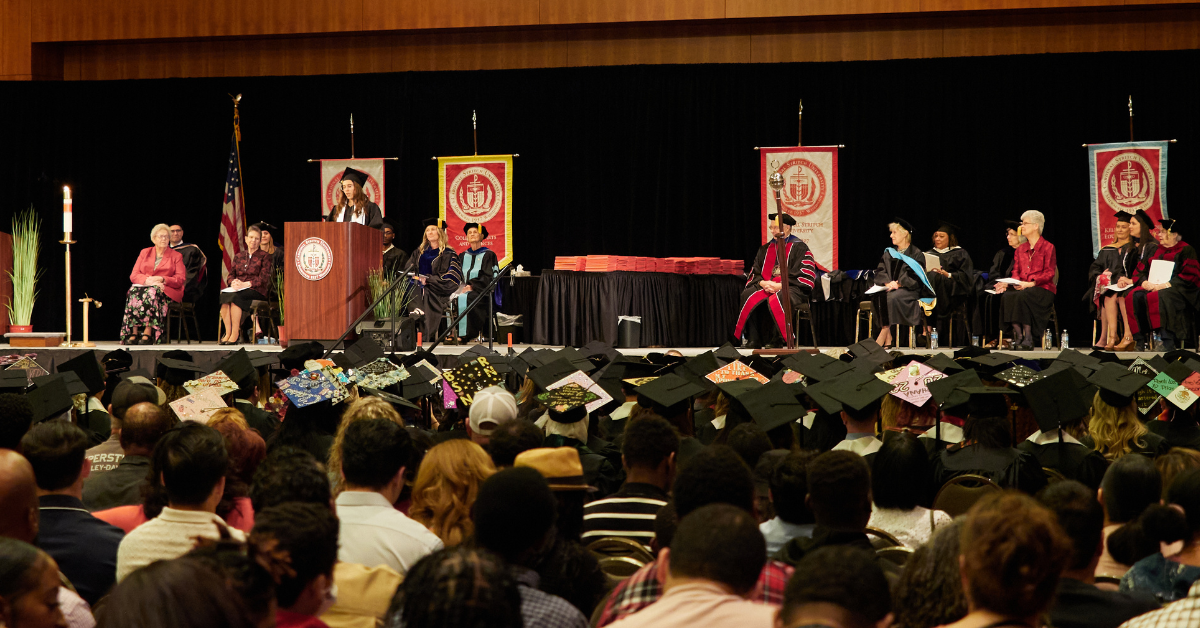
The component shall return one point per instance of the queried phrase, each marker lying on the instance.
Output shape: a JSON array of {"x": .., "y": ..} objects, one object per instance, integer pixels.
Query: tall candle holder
[{"x": 67, "y": 227}]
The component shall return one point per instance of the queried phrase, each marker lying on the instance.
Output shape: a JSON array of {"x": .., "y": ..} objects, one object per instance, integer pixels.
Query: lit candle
[{"x": 66, "y": 209}]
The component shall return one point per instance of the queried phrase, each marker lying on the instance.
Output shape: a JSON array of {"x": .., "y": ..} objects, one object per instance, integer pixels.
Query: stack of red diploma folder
[{"x": 676, "y": 265}]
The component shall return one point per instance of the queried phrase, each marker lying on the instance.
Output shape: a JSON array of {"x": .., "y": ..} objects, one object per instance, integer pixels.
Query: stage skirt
[{"x": 145, "y": 306}]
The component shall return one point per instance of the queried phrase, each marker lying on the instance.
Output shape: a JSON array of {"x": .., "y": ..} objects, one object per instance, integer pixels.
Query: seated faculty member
[
  {"x": 762, "y": 311},
  {"x": 901, "y": 272},
  {"x": 479, "y": 267},
  {"x": 158, "y": 278},
  {"x": 251, "y": 278},
  {"x": 439, "y": 274},
  {"x": 1026, "y": 305},
  {"x": 196, "y": 263}
]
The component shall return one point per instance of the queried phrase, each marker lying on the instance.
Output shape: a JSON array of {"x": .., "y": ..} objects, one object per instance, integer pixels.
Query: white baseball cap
[{"x": 491, "y": 407}]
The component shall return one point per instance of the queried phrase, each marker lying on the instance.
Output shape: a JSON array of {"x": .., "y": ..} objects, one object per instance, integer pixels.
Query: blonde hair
[
  {"x": 228, "y": 415},
  {"x": 363, "y": 408},
  {"x": 446, "y": 487},
  {"x": 442, "y": 239},
  {"x": 895, "y": 226},
  {"x": 159, "y": 227},
  {"x": 1115, "y": 430}
]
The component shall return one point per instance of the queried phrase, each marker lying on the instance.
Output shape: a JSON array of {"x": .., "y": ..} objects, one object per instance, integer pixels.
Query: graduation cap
[
  {"x": 816, "y": 366},
  {"x": 668, "y": 393},
  {"x": 471, "y": 377},
  {"x": 1118, "y": 385},
  {"x": 115, "y": 361},
  {"x": 772, "y": 405},
  {"x": 614, "y": 390},
  {"x": 568, "y": 396},
  {"x": 1123, "y": 216},
  {"x": 727, "y": 352},
  {"x": 789, "y": 377},
  {"x": 946, "y": 391},
  {"x": 14, "y": 381},
  {"x": 395, "y": 400},
  {"x": 1106, "y": 356},
  {"x": 819, "y": 393},
  {"x": 545, "y": 376},
  {"x": 858, "y": 390},
  {"x": 51, "y": 398},
  {"x": 1180, "y": 355},
  {"x": 577, "y": 359},
  {"x": 483, "y": 232},
  {"x": 176, "y": 372},
  {"x": 270, "y": 228},
  {"x": 987, "y": 402},
  {"x": 356, "y": 176},
  {"x": 434, "y": 222},
  {"x": 1177, "y": 371},
  {"x": 903, "y": 223},
  {"x": 363, "y": 352},
  {"x": 261, "y": 359},
  {"x": 945, "y": 227},
  {"x": 1019, "y": 376},
  {"x": 238, "y": 368},
  {"x": 413, "y": 388},
  {"x": 869, "y": 349},
  {"x": 1167, "y": 223},
  {"x": 941, "y": 362},
  {"x": 739, "y": 387},
  {"x": 294, "y": 357},
  {"x": 477, "y": 351},
  {"x": 1012, "y": 224},
  {"x": 1071, "y": 356},
  {"x": 599, "y": 347},
  {"x": 88, "y": 368},
  {"x": 994, "y": 361},
  {"x": 1158, "y": 363},
  {"x": 1057, "y": 400},
  {"x": 785, "y": 219},
  {"x": 871, "y": 363},
  {"x": 763, "y": 365},
  {"x": 70, "y": 381}
]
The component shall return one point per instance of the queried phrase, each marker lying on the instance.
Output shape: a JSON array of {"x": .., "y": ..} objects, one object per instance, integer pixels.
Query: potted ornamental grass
[
  {"x": 26, "y": 232},
  {"x": 278, "y": 281}
]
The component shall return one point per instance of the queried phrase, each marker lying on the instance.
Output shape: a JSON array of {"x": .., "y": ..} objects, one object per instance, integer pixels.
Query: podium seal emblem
[{"x": 314, "y": 259}]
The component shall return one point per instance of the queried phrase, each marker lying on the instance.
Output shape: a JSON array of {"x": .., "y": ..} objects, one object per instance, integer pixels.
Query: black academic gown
[
  {"x": 442, "y": 280},
  {"x": 479, "y": 269},
  {"x": 900, "y": 307},
  {"x": 1007, "y": 467},
  {"x": 1073, "y": 460},
  {"x": 952, "y": 291},
  {"x": 987, "y": 306},
  {"x": 394, "y": 260},
  {"x": 374, "y": 216},
  {"x": 759, "y": 307},
  {"x": 1179, "y": 433},
  {"x": 194, "y": 261},
  {"x": 1113, "y": 259}
]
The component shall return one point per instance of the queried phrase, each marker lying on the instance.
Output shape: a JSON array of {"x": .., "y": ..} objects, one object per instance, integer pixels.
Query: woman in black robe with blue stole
[
  {"x": 954, "y": 282},
  {"x": 901, "y": 272},
  {"x": 479, "y": 267},
  {"x": 439, "y": 274},
  {"x": 1107, "y": 269}
]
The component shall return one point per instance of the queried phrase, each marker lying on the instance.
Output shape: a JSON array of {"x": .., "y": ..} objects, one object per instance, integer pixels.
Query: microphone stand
[
  {"x": 486, "y": 292},
  {"x": 371, "y": 308}
]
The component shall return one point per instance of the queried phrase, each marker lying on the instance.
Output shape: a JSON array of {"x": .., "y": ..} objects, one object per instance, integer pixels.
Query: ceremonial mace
[{"x": 775, "y": 180}]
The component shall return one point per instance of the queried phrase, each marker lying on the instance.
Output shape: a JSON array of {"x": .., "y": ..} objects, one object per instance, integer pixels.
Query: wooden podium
[{"x": 326, "y": 276}]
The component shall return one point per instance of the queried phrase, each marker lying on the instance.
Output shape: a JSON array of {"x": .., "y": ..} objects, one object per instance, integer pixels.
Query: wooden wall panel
[
  {"x": 806, "y": 8},
  {"x": 677, "y": 44},
  {"x": 16, "y": 57},
  {"x": 382, "y": 15},
  {"x": 1009, "y": 5},
  {"x": 606, "y": 11},
  {"x": 1173, "y": 30},
  {"x": 1039, "y": 34},
  {"x": 849, "y": 41}
]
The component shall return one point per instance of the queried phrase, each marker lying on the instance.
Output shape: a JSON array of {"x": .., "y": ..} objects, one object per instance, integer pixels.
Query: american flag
[{"x": 233, "y": 214}]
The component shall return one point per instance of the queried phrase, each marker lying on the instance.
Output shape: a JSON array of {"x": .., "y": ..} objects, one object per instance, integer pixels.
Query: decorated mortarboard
[
  {"x": 380, "y": 374},
  {"x": 890, "y": 374},
  {"x": 69, "y": 379},
  {"x": 363, "y": 352},
  {"x": 734, "y": 371},
  {"x": 911, "y": 384},
  {"x": 1119, "y": 386},
  {"x": 1146, "y": 398},
  {"x": 817, "y": 366},
  {"x": 727, "y": 352},
  {"x": 472, "y": 377},
  {"x": 1056, "y": 400},
  {"x": 198, "y": 406},
  {"x": 567, "y": 404},
  {"x": 858, "y": 390},
  {"x": 423, "y": 372},
  {"x": 941, "y": 362},
  {"x": 310, "y": 387},
  {"x": 13, "y": 381},
  {"x": 772, "y": 405},
  {"x": 546, "y": 375},
  {"x": 218, "y": 380},
  {"x": 1179, "y": 395},
  {"x": 88, "y": 368},
  {"x": 1178, "y": 371},
  {"x": 668, "y": 391},
  {"x": 639, "y": 381},
  {"x": 1162, "y": 384},
  {"x": 395, "y": 400},
  {"x": 788, "y": 376},
  {"x": 1075, "y": 357},
  {"x": 1019, "y": 376},
  {"x": 583, "y": 381},
  {"x": 987, "y": 402},
  {"x": 947, "y": 393},
  {"x": 28, "y": 365},
  {"x": 51, "y": 398}
]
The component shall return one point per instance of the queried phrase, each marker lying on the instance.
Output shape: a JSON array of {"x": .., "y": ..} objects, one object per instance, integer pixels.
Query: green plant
[
  {"x": 278, "y": 281},
  {"x": 397, "y": 301},
  {"x": 26, "y": 231}
]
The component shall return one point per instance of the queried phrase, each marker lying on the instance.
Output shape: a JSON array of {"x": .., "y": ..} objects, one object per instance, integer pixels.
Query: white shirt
[
  {"x": 340, "y": 216},
  {"x": 1047, "y": 438},
  {"x": 778, "y": 532},
  {"x": 374, "y": 533},
  {"x": 169, "y": 535},
  {"x": 951, "y": 433},
  {"x": 911, "y": 527},
  {"x": 862, "y": 446},
  {"x": 622, "y": 411}
]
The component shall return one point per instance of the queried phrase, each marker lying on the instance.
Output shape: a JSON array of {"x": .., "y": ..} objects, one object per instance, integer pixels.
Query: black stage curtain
[{"x": 628, "y": 160}]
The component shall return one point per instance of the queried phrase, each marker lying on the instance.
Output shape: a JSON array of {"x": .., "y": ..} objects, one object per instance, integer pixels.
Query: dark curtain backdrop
[{"x": 641, "y": 160}]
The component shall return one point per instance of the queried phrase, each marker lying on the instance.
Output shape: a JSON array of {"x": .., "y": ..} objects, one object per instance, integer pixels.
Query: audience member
[
  {"x": 789, "y": 486},
  {"x": 310, "y": 428},
  {"x": 648, "y": 454},
  {"x": 1174, "y": 462},
  {"x": 987, "y": 449},
  {"x": 364, "y": 408},
  {"x": 490, "y": 408},
  {"x": 193, "y": 462},
  {"x": 446, "y": 487},
  {"x": 1168, "y": 577},
  {"x": 175, "y": 593},
  {"x": 512, "y": 438},
  {"x": 142, "y": 425},
  {"x": 750, "y": 442},
  {"x": 246, "y": 451},
  {"x": 1130, "y": 485},
  {"x": 373, "y": 453},
  {"x": 1117, "y": 431},
  {"x": 714, "y": 560},
  {"x": 245, "y": 400},
  {"x": 107, "y": 455},
  {"x": 901, "y": 488},
  {"x": 837, "y": 586},
  {"x": 1013, "y": 552},
  {"x": 929, "y": 592},
  {"x": 307, "y": 536},
  {"x": 29, "y": 587},
  {"x": 1079, "y": 604},
  {"x": 16, "y": 415},
  {"x": 716, "y": 475},
  {"x": 1178, "y": 428},
  {"x": 458, "y": 586},
  {"x": 84, "y": 547},
  {"x": 249, "y": 570},
  {"x": 289, "y": 475}
]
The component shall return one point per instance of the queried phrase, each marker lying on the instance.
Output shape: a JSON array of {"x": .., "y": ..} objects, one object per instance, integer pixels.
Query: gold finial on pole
[
  {"x": 474, "y": 132},
  {"x": 236, "y": 128},
  {"x": 351, "y": 136},
  {"x": 1131, "y": 117},
  {"x": 800, "y": 125}
]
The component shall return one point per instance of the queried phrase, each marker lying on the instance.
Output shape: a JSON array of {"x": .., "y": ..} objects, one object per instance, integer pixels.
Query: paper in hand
[
  {"x": 932, "y": 262},
  {"x": 1161, "y": 271}
]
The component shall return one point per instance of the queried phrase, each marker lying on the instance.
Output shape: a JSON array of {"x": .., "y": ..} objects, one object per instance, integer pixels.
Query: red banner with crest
[
  {"x": 1126, "y": 177},
  {"x": 809, "y": 195},
  {"x": 477, "y": 189}
]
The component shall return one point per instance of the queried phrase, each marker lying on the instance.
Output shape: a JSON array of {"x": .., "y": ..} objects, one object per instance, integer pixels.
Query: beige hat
[{"x": 559, "y": 465}]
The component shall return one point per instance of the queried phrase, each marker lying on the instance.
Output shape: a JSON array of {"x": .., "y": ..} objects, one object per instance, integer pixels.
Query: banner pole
[
  {"x": 351, "y": 136},
  {"x": 800, "y": 125},
  {"x": 474, "y": 133},
  {"x": 1131, "y": 117}
]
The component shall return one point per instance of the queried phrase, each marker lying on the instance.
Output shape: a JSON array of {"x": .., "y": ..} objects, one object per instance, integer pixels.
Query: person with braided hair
[{"x": 458, "y": 586}]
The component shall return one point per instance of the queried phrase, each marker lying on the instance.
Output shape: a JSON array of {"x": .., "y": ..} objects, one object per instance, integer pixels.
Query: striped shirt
[{"x": 628, "y": 513}]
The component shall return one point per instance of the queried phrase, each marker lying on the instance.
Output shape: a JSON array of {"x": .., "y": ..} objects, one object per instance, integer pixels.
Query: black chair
[
  {"x": 803, "y": 311},
  {"x": 182, "y": 312}
]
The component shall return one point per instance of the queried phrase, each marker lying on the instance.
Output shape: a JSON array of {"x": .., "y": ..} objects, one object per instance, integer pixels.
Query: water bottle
[
  {"x": 1156, "y": 342},
  {"x": 1047, "y": 341},
  {"x": 933, "y": 343},
  {"x": 1065, "y": 343},
  {"x": 974, "y": 341}
]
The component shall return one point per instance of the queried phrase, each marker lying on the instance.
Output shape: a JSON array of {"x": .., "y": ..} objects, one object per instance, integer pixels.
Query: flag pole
[
  {"x": 351, "y": 136},
  {"x": 474, "y": 132},
  {"x": 800, "y": 125},
  {"x": 1131, "y": 117},
  {"x": 237, "y": 134}
]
